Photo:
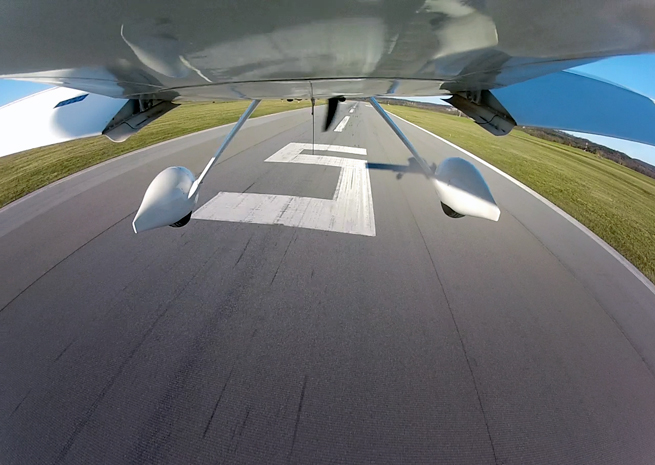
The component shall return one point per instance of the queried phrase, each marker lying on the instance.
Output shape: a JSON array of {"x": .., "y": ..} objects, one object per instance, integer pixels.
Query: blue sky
[
  {"x": 634, "y": 72},
  {"x": 13, "y": 90}
]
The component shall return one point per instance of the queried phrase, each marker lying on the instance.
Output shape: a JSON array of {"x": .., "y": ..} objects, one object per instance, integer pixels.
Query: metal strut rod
[
  {"x": 385, "y": 116},
  {"x": 246, "y": 114}
]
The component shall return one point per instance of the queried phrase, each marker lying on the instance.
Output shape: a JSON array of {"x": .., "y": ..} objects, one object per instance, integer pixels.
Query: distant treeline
[
  {"x": 424, "y": 105},
  {"x": 547, "y": 134},
  {"x": 592, "y": 147}
]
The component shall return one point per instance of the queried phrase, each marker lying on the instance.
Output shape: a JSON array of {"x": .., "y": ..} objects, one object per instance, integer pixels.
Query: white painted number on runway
[
  {"x": 350, "y": 210},
  {"x": 340, "y": 127}
]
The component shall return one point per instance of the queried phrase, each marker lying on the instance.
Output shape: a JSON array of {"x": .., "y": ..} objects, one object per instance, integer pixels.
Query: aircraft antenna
[{"x": 313, "y": 123}]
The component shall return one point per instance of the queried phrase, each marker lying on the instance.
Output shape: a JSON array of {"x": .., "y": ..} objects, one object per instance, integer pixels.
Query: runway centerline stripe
[
  {"x": 350, "y": 211},
  {"x": 340, "y": 127}
]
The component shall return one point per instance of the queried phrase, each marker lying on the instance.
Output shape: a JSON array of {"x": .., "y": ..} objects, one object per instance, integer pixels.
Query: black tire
[
  {"x": 184, "y": 221},
  {"x": 450, "y": 212}
]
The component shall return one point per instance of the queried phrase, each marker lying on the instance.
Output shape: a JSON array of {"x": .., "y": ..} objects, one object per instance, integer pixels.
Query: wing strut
[
  {"x": 173, "y": 194},
  {"x": 460, "y": 186}
]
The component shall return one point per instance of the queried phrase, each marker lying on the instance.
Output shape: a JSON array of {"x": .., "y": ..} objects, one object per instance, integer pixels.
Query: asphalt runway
[{"x": 432, "y": 341}]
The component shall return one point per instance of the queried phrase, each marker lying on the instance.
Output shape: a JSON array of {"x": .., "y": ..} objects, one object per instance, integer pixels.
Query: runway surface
[{"x": 384, "y": 333}]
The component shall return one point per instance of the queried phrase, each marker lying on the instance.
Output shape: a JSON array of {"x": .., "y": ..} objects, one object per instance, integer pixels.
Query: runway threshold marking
[
  {"x": 350, "y": 210},
  {"x": 340, "y": 127}
]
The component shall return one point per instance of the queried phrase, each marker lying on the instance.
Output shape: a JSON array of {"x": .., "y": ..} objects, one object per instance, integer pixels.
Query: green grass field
[
  {"x": 28, "y": 171},
  {"x": 615, "y": 202}
]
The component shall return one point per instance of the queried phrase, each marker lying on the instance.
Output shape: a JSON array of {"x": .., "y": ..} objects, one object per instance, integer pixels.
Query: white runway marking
[
  {"x": 352, "y": 110},
  {"x": 342, "y": 124},
  {"x": 350, "y": 210}
]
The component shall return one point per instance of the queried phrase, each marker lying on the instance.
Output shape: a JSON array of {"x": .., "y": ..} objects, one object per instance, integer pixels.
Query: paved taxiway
[{"x": 433, "y": 341}]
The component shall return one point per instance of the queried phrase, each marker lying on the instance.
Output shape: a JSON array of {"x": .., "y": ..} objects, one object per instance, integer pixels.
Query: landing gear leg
[
  {"x": 173, "y": 194},
  {"x": 429, "y": 172},
  {"x": 460, "y": 186}
]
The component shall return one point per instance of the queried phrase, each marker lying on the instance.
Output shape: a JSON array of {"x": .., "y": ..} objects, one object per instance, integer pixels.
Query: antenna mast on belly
[{"x": 313, "y": 125}]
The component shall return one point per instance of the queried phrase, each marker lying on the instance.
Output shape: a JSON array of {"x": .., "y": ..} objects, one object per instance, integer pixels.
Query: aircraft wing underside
[{"x": 260, "y": 49}]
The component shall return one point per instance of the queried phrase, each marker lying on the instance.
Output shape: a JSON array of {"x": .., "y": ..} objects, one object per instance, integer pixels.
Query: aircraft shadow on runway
[{"x": 401, "y": 170}]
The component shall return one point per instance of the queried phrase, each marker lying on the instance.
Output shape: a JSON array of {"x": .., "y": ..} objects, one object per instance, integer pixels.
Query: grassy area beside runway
[
  {"x": 28, "y": 171},
  {"x": 615, "y": 202}
]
